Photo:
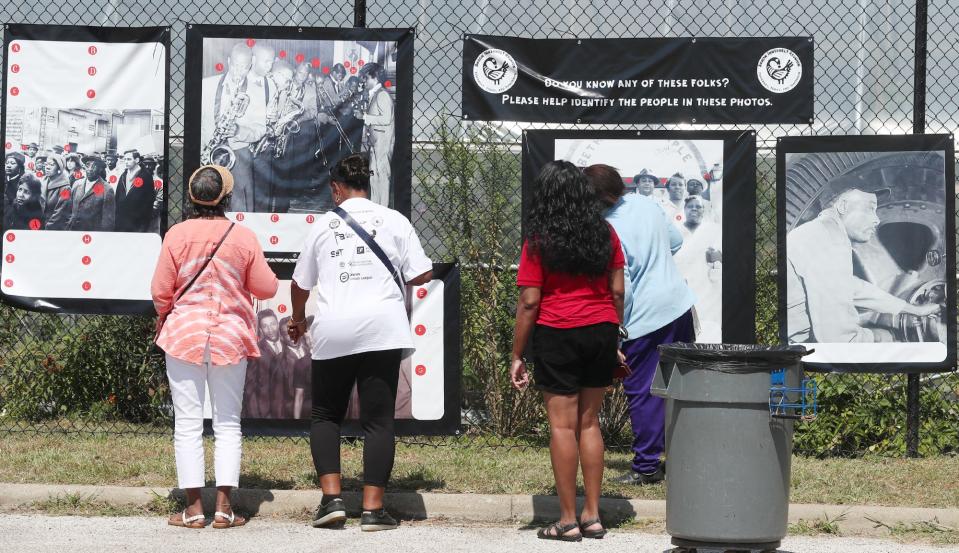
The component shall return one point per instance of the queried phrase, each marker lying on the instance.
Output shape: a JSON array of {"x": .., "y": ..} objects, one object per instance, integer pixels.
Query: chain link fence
[{"x": 61, "y": 373}]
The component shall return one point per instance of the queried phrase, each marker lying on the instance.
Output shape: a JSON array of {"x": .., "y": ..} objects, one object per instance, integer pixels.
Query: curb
[{"x": 478, "y": 508}]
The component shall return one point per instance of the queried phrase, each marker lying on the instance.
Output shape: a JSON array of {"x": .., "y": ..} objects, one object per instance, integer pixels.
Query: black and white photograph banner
[
  {"x": 705, "y": 182},
  {"x": 639, "y": 80},
  {"x": 84, "y": 124},
  {"x": 280, "y": 106},
  {"x": 278, "y": 388},
  {"x": 867, "y": 247}
]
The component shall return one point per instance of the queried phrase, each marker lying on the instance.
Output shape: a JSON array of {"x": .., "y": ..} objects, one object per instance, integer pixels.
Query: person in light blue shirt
[{"x": 658, "y": 310}]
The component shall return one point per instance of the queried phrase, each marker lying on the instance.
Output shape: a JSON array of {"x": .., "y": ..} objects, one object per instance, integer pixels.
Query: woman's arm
[
  {"x": 260, "y": 280},
  {"x": 296, "y": 326},
  {"x": 421, "y": 279},
  {"x": 163, "y": 285},
  {"x": 527, "y": 309},
  {"x": 617, "y": 287}
]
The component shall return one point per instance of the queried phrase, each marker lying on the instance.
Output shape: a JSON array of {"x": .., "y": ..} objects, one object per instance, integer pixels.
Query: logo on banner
[
  {"x": 779, "y": 70},
  {"x": 495, "y": 71}
]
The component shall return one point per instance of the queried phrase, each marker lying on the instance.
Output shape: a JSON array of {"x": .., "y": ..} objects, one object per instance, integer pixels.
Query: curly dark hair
[
  {"x": 353, "y": 171},
  {"x": 206, "y": 185},
  {"x": 565, "y": 226}
]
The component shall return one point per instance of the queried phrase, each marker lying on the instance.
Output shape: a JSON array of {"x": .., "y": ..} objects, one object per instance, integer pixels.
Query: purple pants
[{"x": 647, "y": 413}]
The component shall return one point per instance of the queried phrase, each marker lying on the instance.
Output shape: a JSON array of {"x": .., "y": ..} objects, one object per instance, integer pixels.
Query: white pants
[{"x": 187, "y": 386}]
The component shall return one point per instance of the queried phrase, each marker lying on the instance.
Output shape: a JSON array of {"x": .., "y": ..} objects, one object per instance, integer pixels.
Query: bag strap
[
  {"x": 374, "y": 247},
  {"x": 205, "y": 263}
]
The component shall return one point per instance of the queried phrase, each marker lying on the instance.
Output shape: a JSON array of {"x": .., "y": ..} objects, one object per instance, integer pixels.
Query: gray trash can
[{"x": 728, "y": 456}]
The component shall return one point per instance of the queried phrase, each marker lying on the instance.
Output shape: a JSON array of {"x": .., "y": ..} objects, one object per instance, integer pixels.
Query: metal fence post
[
  {"x": 913, "y": 418},
  {"x": 359, "y": 13}
]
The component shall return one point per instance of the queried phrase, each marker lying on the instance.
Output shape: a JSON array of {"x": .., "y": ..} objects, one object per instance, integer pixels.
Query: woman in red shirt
[{"x": 571, "y": 302}]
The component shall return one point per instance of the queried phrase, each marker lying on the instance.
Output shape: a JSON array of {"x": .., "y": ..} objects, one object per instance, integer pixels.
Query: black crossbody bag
[
  {"x": 373, "y": 246},
  {"x": 193, "y": 280}
]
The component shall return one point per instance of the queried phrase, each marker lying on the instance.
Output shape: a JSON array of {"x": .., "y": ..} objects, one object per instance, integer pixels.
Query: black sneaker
[
  {"x": 331, "y": 515},
  {"x": 643, "y": 479},
  {"x": 374, "y": 521}
]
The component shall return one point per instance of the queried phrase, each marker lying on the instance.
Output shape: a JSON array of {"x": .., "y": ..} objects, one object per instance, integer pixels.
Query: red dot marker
[
  {"x": 11, "y": 237},
  {"x": 15, "y": 68},
  {"x": 86, "y": 260},
  {"x": 86, "y": 286},
  {"x": 98, "y": 189},
  {"x": 23, "y": 147},
  {"x": 310, "y": 219},
  {"x": 219, "y": 67},
  {"x": 91, "y": 70},
  {"x": 157, "y": 184},
  {"x": 361, "y": 63},
  {"x": 65, "y": 194},
  {"x": 113, "y": 179},
  {"x": 34, "y": 224},
  {"x": 77, "y": 175},
  {"x": 8, "y": 146},
  {"x": 8, "y": 283},
  {"x": 239, "y": 217},
  {"x": 420, "y": 330},
  {"x": 679, "y": 217},
  {"x": 39, "y": 174},
  {"x": 299, "y": 58},
  {"x": 274, "y": 240},
  {"x": 250, "y": 42},
  {"x": 281, "y": 308},
  {"x": 421, "y": 293},
  {"x": 91, "y": 93},
  {"x": 282, "y": 54},
  {"x": 347, "y": 64},
  {"x": 30, "y": 166},
  {"x": 14, "y": 91},
  {"x": 15, "y": 48},
  {"x": 87, "y": 239},
  {"x": 315, "y": 62},
  {"x": 420, "y": 370},
  {"x": 66, "y": 147},
  {"x": 137, "y": 182},
  {"x": 10, "y": 258},
  {"x": 326, "y": 70},
  {"x": 92, "y": 50},
  {"x": 275, "y": 218},
  {"x": 352, "y": 71},
  {"x": 388, "y": 84}
]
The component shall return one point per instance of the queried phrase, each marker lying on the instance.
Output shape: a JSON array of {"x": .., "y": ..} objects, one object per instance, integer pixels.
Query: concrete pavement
[{"x": 43, "y": 534}]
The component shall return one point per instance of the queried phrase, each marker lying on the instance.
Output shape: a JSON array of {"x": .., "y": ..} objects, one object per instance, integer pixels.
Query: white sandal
[
  {"x": 188, "y": 522},
  {"x": 232, "y": 519}
]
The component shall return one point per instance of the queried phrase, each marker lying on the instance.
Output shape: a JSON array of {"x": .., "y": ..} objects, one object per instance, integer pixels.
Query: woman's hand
[{"x": 518, "y": 375}]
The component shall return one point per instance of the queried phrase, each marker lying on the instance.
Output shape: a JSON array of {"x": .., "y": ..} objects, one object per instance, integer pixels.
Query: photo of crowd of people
[
  {"x": 84, "y": 170},
  {"x": 685, "y": 177},
  {"x": 278, "y": 383},
  {"x": 280, "y": 113}
]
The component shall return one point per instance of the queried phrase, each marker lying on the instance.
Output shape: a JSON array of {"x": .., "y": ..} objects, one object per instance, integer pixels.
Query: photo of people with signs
[
  {"x": 280, "y": 113},
  {"x": 96, "y": 170}
]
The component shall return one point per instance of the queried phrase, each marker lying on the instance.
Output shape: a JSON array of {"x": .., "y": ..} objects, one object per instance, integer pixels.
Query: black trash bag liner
[{"x": 732, "y": 358}]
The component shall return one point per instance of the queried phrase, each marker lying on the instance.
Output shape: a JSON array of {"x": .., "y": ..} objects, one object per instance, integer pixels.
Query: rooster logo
[
  {"x": 778, "y": 71},
  {"x": 495, "y": 71}
]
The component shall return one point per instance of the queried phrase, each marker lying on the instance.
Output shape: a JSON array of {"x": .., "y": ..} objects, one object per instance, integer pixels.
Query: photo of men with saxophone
[{"x": 281, "y": 113}]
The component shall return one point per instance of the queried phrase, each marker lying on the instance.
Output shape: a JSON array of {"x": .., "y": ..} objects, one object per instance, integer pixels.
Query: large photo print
[
  {"x": 279, "y": 108},
  {"x": 867, "y": 272},
  {"x": 705, "y": 186},
  {"x": 85, "y": 149}
]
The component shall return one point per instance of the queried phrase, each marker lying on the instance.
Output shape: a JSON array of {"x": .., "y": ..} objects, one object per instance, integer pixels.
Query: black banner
[
  {"x": 639, "y": 80},
  {"x": 867, "y": 251},
  {"x": 84, "y": 124}
]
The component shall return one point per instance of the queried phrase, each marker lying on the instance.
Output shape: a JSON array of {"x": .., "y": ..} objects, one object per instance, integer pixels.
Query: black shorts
[{"x": 566, "y": 360}]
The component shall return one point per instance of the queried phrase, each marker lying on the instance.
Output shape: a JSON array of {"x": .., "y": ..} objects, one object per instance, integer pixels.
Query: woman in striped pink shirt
[{"x": 207, "y": 329}]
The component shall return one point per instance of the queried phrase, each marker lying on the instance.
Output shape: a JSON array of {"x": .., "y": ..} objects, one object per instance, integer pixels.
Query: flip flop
[
  {"x": 559, "y": 532},
  {"x": 592, "y": 534},
  {"x": 232, "y": 520},
  {"x": 196, "y": 521}
]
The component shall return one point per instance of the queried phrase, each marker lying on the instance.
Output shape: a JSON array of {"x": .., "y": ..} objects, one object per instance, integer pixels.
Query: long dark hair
[{"x": 565, "y": 225}]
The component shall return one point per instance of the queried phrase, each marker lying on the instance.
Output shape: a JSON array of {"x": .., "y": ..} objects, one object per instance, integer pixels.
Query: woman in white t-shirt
[{"x": 359, "y": 332}]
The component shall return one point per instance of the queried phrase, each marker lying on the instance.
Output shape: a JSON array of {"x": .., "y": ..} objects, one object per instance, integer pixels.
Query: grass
[
  {"x": 286, "y": 464},
  {"x": 818, "y": 526},
  {"x": 79, "y": 504}
]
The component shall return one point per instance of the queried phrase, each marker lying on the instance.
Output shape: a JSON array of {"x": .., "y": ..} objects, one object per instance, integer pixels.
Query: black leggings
[{"x": 375, "y": 374}]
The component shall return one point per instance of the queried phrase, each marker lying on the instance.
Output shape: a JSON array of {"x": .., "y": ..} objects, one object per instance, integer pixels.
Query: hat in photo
[
  {"x": 645, "y": 174},
  {"x": 843, "y": 183},
  {"x": 21, "y": 159}
]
